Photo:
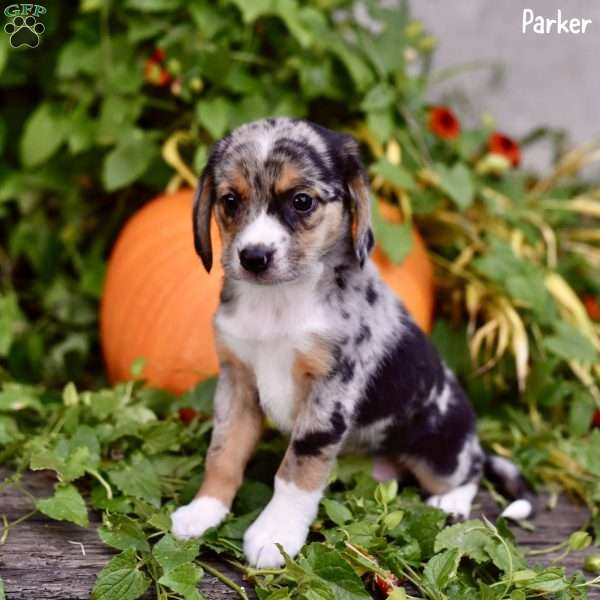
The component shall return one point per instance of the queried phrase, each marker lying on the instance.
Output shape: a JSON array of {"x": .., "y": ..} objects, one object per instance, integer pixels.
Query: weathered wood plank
[{"x": 43, "y": 559}]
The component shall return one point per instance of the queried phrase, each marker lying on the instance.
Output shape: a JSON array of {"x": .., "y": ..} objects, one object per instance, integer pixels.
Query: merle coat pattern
[{"x": 309, "y": 336}]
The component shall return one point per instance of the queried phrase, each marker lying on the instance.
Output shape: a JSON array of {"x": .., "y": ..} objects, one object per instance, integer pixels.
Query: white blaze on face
[{"x": 265, "y": 230}]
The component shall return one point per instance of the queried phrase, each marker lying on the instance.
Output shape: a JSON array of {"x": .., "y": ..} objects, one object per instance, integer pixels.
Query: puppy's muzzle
[{"x": 256, "y": 258}]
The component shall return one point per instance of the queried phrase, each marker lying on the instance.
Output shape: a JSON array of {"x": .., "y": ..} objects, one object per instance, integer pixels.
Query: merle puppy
[{"x": 309, "y": 336}]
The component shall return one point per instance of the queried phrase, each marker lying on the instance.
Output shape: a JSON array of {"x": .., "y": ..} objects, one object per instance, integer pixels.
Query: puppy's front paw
[
  {"x": 272, "y": 527},
  {"x": 193, "y": 519}
]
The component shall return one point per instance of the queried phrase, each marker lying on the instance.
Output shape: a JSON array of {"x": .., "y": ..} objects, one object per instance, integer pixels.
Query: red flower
[
  {"x": 443, "y": 122},
  {"x": 499, "y": 143},
  {"x": 592, "y": 306},
  {"x": 187, "y": 414},
  {"x": 154, "y": 71},
  {"x": 596, "y": 419}
]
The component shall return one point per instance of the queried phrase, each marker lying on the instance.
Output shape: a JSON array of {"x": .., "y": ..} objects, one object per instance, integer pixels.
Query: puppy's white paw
[
  {"x": 456, "y": 502},
  {"x": 285, "y": 521},
  {"x": 272, "y": 527},
  {"x": 193, "y": 519}
]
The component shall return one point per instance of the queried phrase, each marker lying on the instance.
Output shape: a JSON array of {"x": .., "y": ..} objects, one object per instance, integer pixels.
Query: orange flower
[
  {"x": 154, "y": 71},
  {"x": 443, "y": 122},
  {"x": 499, "y": 143}
]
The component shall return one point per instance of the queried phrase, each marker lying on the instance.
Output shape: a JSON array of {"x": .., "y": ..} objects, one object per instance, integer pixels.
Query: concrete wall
[{"x": 539, "y": 79}]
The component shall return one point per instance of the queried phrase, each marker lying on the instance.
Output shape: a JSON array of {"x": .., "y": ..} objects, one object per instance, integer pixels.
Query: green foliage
[{"x": 85, "y": 126}]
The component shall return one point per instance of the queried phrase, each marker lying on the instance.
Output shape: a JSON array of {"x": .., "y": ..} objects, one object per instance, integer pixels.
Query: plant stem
[
  {"x": 241, "y": 592},
  {"x": 8, "y": 526}
]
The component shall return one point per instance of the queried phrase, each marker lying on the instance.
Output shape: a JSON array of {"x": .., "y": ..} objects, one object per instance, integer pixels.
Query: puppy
[{"x": 309, "y": 336}]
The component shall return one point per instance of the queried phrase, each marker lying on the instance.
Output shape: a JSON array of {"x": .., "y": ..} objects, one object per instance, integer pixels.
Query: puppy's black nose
[{"x": 256, "y": 259}]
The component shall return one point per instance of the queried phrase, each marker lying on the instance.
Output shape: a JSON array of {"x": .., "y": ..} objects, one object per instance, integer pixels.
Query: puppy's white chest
[
  {"x": 272, "y": 363},
  {"x": 266, "y": 330}
]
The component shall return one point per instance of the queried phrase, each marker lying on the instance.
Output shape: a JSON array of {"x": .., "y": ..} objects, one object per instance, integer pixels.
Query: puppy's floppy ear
[
  {"x": 202, "y": 211},
  {"x": 358, "y": 186}
]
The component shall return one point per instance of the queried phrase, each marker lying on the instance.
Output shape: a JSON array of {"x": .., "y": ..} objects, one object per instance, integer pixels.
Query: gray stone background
[{"x": 527, "y": 80}]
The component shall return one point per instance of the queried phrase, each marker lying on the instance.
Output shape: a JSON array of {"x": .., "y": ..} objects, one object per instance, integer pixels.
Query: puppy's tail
[{"x": 509, "y": 478}]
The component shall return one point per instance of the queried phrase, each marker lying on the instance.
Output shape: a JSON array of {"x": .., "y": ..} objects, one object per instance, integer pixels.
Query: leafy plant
[{"x": 121, "y": 101}]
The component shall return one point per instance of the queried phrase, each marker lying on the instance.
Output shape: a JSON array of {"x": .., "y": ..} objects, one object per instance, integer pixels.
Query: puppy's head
[{"x": 284, "y": 193}]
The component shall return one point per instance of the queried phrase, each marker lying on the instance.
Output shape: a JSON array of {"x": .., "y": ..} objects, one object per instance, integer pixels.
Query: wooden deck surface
[{"x": 43, "y": 559}]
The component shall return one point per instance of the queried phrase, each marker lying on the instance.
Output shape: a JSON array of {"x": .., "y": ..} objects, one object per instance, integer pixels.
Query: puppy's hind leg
[{"x": 452, "y": 491}]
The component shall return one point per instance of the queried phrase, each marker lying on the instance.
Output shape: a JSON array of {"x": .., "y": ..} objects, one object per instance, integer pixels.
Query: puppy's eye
[
  {"x": 230, "y": 203},
  {"x": 302, "y": 202}
]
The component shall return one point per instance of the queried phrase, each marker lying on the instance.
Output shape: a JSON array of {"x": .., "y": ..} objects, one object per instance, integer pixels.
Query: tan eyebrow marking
[
  {"x": 238, "y": 183},
  {"x": 289, "y": 177}
]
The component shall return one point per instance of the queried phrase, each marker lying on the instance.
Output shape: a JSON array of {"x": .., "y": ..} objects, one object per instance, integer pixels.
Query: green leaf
[
  {"x": 386, "y": 491},
  {"x": 42, "y": 136},
  {"x": 456, "y": 181},
  {"x": 171, "y": 553},
  {"x": 581, "y": 411},
  {"x": 442, "y": 567},
  {"x": 16, "y": 397},
  {"x": 397, "y": 175},
  {"x": 121, "y": 579},
  {"x": 65, "y": 505},
  {"x": 138, "y": 479},
  {"x": 183, "y": 580},
  {"x": 395, "y": 239},
  {"x": 2, "y": 592},
  {"x": 12, "y": 321},
  {"x": 329, "y": 565},
  {"x": 70, "y": 464},
  {"x": 252, "y": 9},
  {"x": 336, "y": 511},
  {"x": 9, "y": 431},
  {"x": 128, "y": 161},
  {"x": 162, "y": 436},
  {"x": 122, "y": 532},
  {"x": 214, "y": 115},
  {"x": 378, "y": 97},
  {"x": 569, "y": 344},
  {"x": 469, "y": 538}
]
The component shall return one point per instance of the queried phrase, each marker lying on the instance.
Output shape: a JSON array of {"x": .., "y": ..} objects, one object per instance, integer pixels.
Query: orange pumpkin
[{"x": 158, "y": 301}]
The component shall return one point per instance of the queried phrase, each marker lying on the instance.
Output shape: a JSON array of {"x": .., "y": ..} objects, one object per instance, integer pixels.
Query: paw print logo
[{"x": 24, "y": 31}]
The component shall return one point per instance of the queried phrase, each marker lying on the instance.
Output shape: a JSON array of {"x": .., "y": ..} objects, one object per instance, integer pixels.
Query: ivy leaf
[
  {"x": 161, "y": 436},
  {"x": 336, "y": 511},
  {"x": 65, "y": 505},
  {"x": 171, "y": 553},
  {"x": 329, "y": 565},
  {"x": 43, "y": 134},
  {"x": 121, "y": 579},
  {"x": 395, "y": 239},
  {"x": 138, "y": 479},
  {"x": 469, "y": 538},
  {"x": 569, "y": 344},
  {"x": 70, "y": 465},
  {"x": 15, "y": 397},
  {"x": 184, "y": 580},
  {"x": 456, "y": 181},
  {"x": 442, "y": 567},
  {"x": 121, "y": 532},
  {"x": 127, "y": 161}
]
